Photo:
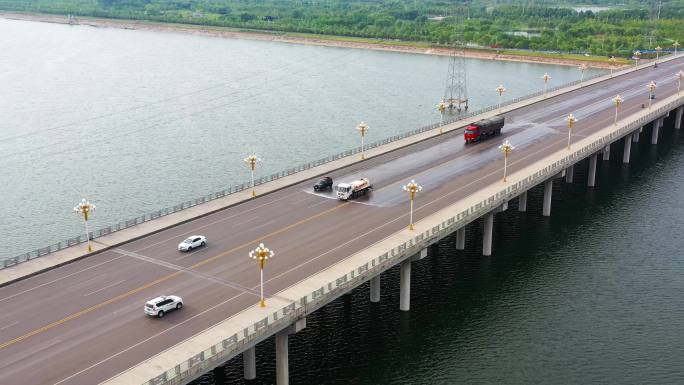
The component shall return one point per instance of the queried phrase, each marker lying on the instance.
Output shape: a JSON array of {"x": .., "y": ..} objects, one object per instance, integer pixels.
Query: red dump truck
[{"x": 483, "y": 129}]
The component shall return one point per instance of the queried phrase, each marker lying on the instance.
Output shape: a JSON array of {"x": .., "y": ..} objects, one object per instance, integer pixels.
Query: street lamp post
[
  {"x": 506, "y": 147},
  {"x": 412, "y": 188},
  {"x": 261, "y": 254},
  {"x": 612, "y": 65},
  {"x": 546, "y": 79},
  {"x": 362, "y": 128},
  {"x": 252, "y": 161},
  {"x": 636, "y": 57},
  {"x": 441, "y": 107},
  {"x": 651, "y": 91},
  {"x": 675, "y": 45},
  {"x": 680, "y": 75},
  {"x": 85, "y": 208},
  {"x": 571, "y": 123},
  {"x": 617, "y": 101},
  {"x": 500, "y": 89},
  {"x": 583, "y": 67},
  {"x": 658, "y": 49}
]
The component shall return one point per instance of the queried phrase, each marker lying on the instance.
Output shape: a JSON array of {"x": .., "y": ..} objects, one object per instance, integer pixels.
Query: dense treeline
[{"x": 548, "y": 25}]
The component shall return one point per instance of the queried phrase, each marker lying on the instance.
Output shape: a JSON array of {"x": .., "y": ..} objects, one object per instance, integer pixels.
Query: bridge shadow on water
[{"x": 590, "y": 294}]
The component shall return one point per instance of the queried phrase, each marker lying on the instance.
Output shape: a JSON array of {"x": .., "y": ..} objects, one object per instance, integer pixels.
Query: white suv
[
  {"x": 192, "y": 242},
  {"x": 156, "y": 307}
]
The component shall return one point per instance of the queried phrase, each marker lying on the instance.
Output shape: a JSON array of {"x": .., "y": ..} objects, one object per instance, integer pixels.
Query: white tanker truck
[{"x": 346, "y": 191}]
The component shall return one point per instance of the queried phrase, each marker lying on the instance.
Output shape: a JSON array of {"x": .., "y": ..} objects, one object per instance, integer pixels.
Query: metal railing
[
  {"x": 11, "y": 261},
  {"x": 233, "y": 345}
]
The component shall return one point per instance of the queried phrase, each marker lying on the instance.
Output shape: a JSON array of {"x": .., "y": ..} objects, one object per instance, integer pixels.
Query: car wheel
[
  {"x": 204, "y": 244},
  {"x": 189, "y": 248},
  {"x": 179, "y": 306},
  {"x": 160, "y": 314}
]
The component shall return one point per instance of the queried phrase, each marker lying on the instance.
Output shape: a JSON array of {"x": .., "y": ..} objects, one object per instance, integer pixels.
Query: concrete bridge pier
[
  {"x": 460, "y": 238},
  {"x": 628, "y": 148},
  {"x": 249, "y": 363},
  {"x": 282, "y": 354},
  {"x": 489, "y": 229},
  {"x": 678, "y": 118},
  {"x": 375, "y": 289},
  {"x": 405, "y": 280},
  {"x": 548, "y": 191},
  {"x": 591, "y": 174},
  {"x": 635, "y": 136},
  {"x": 656, "y": 129},
  {"x": 570, "y": 174},
  {"x": 606, "y": 152},
  {"x": 522, "y": 202}
]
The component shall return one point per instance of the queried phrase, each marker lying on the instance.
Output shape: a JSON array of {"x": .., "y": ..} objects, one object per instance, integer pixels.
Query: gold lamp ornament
[
  {"x": 261, "y": 254},
  {"x": 85, "y": 208}
]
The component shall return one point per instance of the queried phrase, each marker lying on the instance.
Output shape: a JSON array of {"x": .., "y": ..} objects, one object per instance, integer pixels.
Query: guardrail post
[
  {"x": 522, "y": 202},
  {"x": 548, "y": 191},
  {"x": 591, "y": 178},
  {"x": 375, "y": 289},
  {"x": 628, "y": 148},
  {"x": 249, "y": 363},
  {"x": 487, "y": 235},
  {"x": 460, "y": 238}
]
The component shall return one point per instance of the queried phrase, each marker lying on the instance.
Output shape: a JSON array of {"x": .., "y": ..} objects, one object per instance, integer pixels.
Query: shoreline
[{"x": 296, "y": 38}]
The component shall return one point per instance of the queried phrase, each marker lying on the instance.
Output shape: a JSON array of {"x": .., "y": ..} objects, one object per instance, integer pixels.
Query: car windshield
[
  {"x": 189, "y": 240},
  {"x": 471, "y": 130},
  {"x": 343, "y": 189}
]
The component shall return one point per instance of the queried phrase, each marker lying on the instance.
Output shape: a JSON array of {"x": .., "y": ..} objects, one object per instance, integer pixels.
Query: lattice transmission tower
[{"x": 456, "y": 91}]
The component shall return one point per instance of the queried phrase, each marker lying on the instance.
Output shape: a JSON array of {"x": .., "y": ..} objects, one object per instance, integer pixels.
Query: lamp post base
[{"x": 262, "y": 303}]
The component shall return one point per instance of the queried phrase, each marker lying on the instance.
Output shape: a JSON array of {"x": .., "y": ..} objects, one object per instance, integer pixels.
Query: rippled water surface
[
  {"x": 139, "y": 120},
  {"x": 593, "y": 294}
]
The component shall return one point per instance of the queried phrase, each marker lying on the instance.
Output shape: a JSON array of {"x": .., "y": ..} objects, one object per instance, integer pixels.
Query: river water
[{"x": 137, "y": 121}]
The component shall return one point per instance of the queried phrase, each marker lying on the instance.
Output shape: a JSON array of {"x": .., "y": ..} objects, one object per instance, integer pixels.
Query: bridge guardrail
[
  {"x": 236, "y": 343},
  {"x": 11, "y": 261}
]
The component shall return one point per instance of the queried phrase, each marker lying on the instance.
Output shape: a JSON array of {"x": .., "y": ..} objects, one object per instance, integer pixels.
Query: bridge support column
[
  {"x": 635, "y": 136},
  {"x": 460, "y": 238},
  {"x": 405, "y": 280},
  {"x": 249, "y": 363},
  {"x": 628, "y": 148},
  {"x": 656, "y": 129},
  {"x": 487, "y": 235},
  {"x": 522, "y": 202},
  {"x": 405, "y": 285},
  {"x": 569, "y": 174},
  {"x": 591, "y": 179},
  {"x": 678, "y": 118},
  {"x": 548, "y": 190},
  {"x": 375, "y": 289},
  {"x": 606, "y": 152},
  {"x": 282, "y": 359},
  {"x": 282, "y": 354}
]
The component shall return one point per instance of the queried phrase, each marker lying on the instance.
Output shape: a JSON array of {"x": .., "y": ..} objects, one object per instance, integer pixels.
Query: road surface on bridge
[{"x": 83, "y": 322}]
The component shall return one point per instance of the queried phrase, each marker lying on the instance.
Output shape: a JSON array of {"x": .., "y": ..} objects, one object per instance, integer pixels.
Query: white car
[
  {"x": 157, "y": 307},
  {"x": 192, "y": 242}
]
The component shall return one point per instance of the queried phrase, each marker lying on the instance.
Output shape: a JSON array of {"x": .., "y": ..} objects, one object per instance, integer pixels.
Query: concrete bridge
[{"x": 68, "y": 318}]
